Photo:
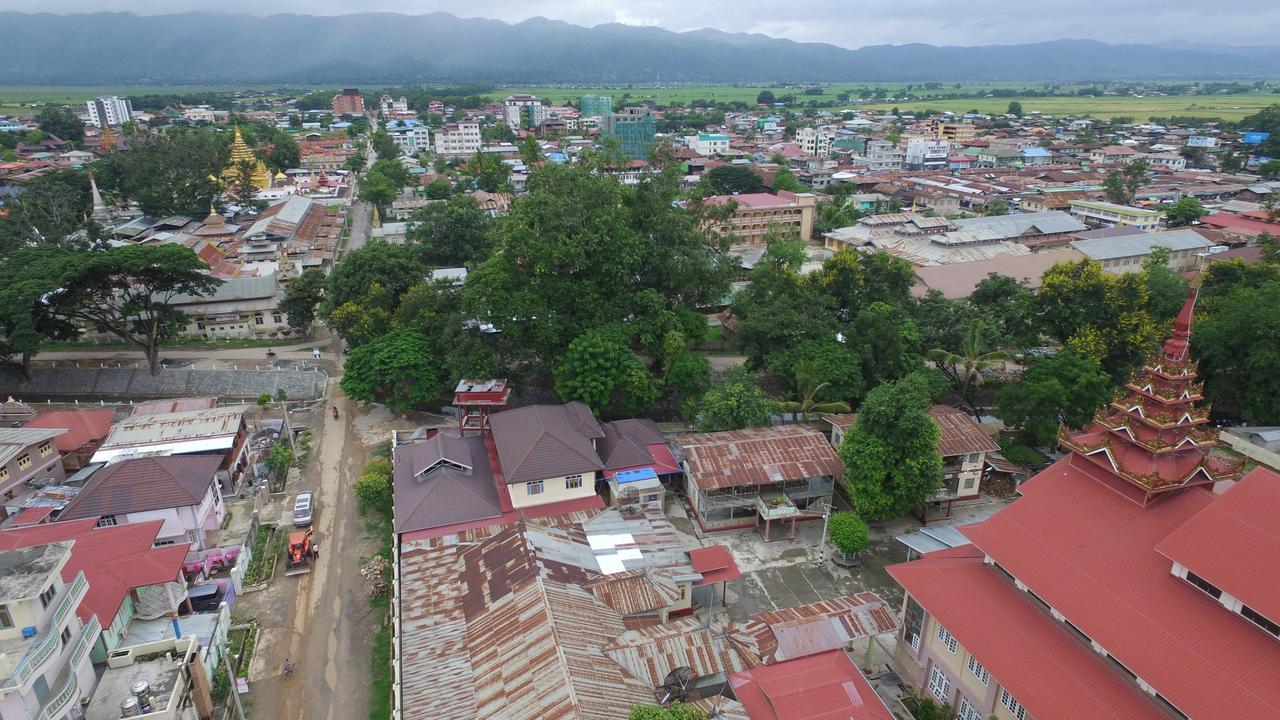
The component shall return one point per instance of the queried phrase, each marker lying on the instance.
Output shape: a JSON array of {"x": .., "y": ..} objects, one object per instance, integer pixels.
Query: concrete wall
[{"x": 553, "y": 490}]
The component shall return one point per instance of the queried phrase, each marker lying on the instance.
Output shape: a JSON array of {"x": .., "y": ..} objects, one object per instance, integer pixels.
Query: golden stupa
[
  {"x": 107, "y": 142},
  {"x": 240, "y": 153}
]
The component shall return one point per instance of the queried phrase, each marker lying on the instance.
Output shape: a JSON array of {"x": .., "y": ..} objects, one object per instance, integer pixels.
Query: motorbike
[{"x": 271, "y": 354}]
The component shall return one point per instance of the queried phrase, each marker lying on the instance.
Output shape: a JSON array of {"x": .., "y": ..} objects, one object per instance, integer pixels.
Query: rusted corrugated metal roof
[
  {"x": 959, "y": 434},
  {"x": 816, "y": 627},
  {"x": 758, "y": 456}
]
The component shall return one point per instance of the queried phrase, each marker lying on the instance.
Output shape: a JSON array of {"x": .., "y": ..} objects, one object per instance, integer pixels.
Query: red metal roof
[
  {"x": 1030, "y": 654},
  {"x": 715, "y": 563},
  {"x": 115, "y": 559},
  {"x": 826, "y": 686},
  {"x": 1234, "y": 542},
  {"x": 31, "y": 516},
  {"x": 82, "y": 426},
  {"x": 1240, "y": 225},
  {"x": 1090, "y": 554}
]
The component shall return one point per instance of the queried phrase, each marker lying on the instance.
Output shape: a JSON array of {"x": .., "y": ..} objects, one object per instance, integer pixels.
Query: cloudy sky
[{"x": 851, "y": 23}]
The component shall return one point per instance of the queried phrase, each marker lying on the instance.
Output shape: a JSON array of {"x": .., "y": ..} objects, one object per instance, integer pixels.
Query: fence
[{"x": 303, "y": 382}]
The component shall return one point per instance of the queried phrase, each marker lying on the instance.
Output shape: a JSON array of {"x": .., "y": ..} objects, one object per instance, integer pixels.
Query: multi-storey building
[
  {"x": 348, "y": 102},
  {"x": 1098, "y": 214},
  {"x": 45, "y": 669},
  {"x": 596, "y": 105},
  {"x": 391, "y": 106},
  {"x": 708, "y": 144},
  {"x": 28, "y": 458},
  {"x": 816, "y": 141},
  {"x": 109, "y": 111},
  {"x": 523, "y": 111},
  {"x": 756, "y": 213},
  {"x": 925, "y": 154},
  {"x": 883, "y": 155},
  {"x": 634, "y": 127},
  {"x": 951, "y": 131},
  {"x": 410, "y": 138},
  {"x": 1132, "y": 580},
  {"x": 458, "y": 140}
]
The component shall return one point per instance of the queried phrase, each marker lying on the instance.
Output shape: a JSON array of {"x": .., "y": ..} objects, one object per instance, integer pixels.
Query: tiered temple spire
[
  {"x": 240, "y": 154},
  {"x": 1155, "y": 434}
]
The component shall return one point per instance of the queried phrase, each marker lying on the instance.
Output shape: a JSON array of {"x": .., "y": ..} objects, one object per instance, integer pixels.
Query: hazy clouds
[{"x": 851, "y": 23}]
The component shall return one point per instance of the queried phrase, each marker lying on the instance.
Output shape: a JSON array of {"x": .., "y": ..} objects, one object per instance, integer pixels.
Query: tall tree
[
  {"x": 601, "y": 372},
  {"x": 1065, "y": 389},
  {"x": 732, "y": 180},
  {"x": 393, "y": 266},
  {"x": 1184, "y": 212},
  {"x": 891, "y": 452},
  {"x": 810, "y": 390},
  {"x": 964, "y": 365},
  {"x": 301, "y": 296},
  {"x": 732, "y": 402},
  {"x": 1237, "y": 340},
  {"x": 52, "y": 208},
  {"x": 62, "y": 123},
  {"x": 170, "y": 173},
  {"x": 1166, "y": 289},
  {"x": 129, "y": 291},
  {"x": 397, "y": 369},
  {"x": 451, "y": 233}
]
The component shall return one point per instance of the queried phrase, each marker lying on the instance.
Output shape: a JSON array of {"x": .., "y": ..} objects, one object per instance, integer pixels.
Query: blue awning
[{"x": 627, "y": 476}]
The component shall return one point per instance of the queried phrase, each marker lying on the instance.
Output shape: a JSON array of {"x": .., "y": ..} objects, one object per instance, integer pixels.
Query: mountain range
[{"x": 205, "y": 47}]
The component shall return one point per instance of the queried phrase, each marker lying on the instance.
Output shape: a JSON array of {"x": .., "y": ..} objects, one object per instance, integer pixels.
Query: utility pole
[{"x": 826, "y": 517}]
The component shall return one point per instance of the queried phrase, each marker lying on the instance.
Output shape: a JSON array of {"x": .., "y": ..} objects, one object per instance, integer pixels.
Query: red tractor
[{"x": 300, "y": 553}]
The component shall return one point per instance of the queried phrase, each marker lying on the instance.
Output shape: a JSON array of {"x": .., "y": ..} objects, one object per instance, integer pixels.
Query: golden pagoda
[
  {"x": 107, "y": 142},
  {"x": 240, "y": 153}
]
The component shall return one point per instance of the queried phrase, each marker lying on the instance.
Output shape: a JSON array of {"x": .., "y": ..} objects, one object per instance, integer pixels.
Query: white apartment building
[
  {"x": 198, "y": 113},
  {"x": 926, "y": 154},
  {"x": 884, "y": 155},
  {"x": 389, "y": 105},
  {"x": 523, "y": 111},
  {"x": 411, "y": 140},
  {"x": 45, "y": 669},
  {"x": 458, "y": 140},
  {"x": 708, "y": 144},
  {"x": 816, "y": 141},
  {"x": 110, "y": 110}
]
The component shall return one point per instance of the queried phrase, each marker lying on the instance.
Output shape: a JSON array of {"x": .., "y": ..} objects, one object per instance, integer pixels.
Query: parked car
[{"x": 303, "y": 508}]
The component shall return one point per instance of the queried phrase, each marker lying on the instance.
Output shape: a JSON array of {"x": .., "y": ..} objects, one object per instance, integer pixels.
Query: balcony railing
[
  {"x": 45, "y": 646},
  {"x": 60, "y": 703}
]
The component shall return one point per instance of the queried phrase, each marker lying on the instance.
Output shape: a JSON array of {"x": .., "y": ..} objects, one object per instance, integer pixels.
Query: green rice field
[{"x": 19, "y": 99}]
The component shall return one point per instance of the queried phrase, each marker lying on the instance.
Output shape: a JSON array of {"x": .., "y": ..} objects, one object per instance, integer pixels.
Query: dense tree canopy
[
  {"x": 1063, "y": 389},
  {"x": 732, "y": 180},
  {"x": 169, "y": 173},
  {"x": 732, "y": 402},
  {"x": 397, "y": 369},
  {"x": 1236, "y": 337},
  {"x": 451, "y": 233},
  {"x": 301, "y": 296},
  {"x": 61, "y": 122},
  {"x": 891, "y": 452}
]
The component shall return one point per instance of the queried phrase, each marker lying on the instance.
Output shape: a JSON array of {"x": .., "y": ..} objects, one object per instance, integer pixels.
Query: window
[
  {"x": 24, "y": 462},
  {"x": 573, "y": 481},
  {"x": 939, "y": 685},
  {"x": 258, "y": 320},
  {"x": 4, "y": 474},
  {"x": 1260, "y": 620},
  {"x": 1013, "y": 706},
  {"x": 533, "y": 488},
  {"x": 968, "y": 483},
  {"x": 65, "y": 635},
  {"x": 6, "y": 620},
  {"x": 913, "y": 623},
  {"x": 46, "y": 597},
  {"x": 107, "y": 521},
  {"x": 162, "y": 543},
  {"x": 947, "y": 639},
  {"x": 978, "y": 671},
  {"x": 276, "y": 318},
  {"x": 45, "y": 449},
  {"x": 1203, "y": 584},
  {"x": 967, "y": 711}
]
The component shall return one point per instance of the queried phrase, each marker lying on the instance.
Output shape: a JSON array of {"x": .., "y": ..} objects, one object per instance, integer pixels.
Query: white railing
[
  {"x": 44, "y": 648},
  {"x": 62, "y": 701}
]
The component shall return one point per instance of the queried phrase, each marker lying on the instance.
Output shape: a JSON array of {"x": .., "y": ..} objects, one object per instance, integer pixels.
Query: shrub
[
  {"x": 373, "y": 489},
  {"x": 848, "y": 532}
]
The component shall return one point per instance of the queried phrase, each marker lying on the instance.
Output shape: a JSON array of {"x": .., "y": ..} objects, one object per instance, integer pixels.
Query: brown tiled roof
[
  {"x": 145, "y": 484},
  {"x": 624, "y": 441},
  {"x": 758, "y": 456},
  {"x": 958, "y": 433},
  {"x": 443, "y": 480},
  {"x": 545, "y": 441}
]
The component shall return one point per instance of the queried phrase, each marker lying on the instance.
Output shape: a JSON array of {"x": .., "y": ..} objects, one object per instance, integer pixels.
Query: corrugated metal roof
[
  {"x": 758, "y": 456},
  {"x": 816, "y": 627},
  {"x": 142, "y": 430},
  {"x": 826, "y": 686},
  {"x": 1109, "y": 248},
  {"x": 14, "y": 440},
  {"x": 958, "y": 434}
]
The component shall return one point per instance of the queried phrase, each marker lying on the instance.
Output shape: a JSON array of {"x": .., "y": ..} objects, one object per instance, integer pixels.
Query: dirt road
[{"x": 323, "y": 620}]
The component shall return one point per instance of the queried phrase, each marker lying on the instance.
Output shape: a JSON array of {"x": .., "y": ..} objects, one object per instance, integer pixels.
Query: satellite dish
[{"x": 677, "y": 683}]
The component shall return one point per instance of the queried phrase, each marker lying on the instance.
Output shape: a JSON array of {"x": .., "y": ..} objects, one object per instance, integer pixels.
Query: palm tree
[
  {"x": 809, "y": 404},
  {"x": 834, "y": 213},
  {"x": 965, "y": 367}
]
